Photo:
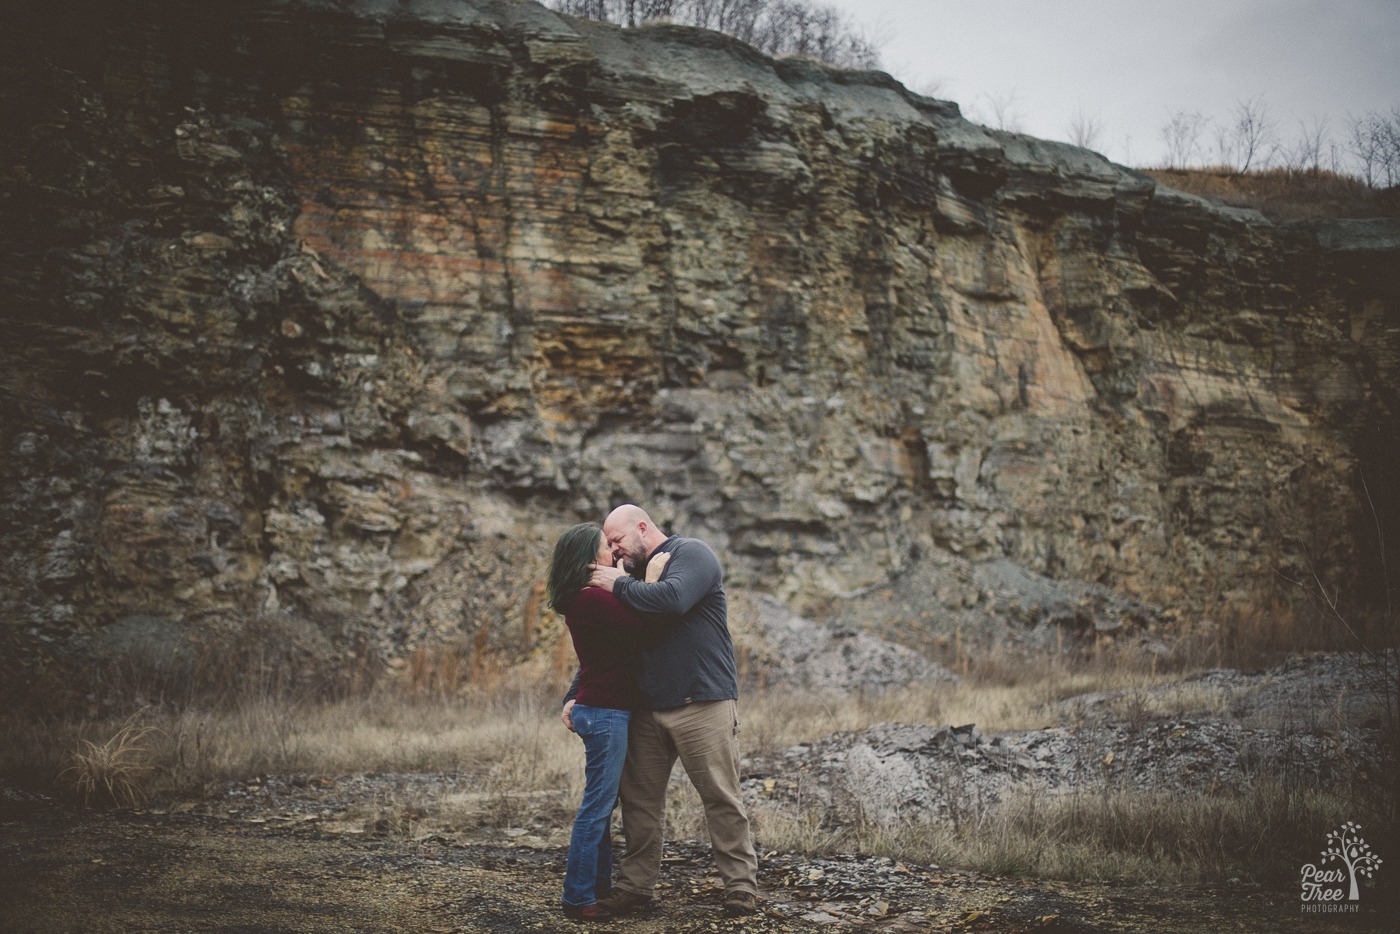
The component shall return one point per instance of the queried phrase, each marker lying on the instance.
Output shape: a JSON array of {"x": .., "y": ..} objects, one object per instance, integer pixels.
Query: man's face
[{"x": 625, "y": 543}]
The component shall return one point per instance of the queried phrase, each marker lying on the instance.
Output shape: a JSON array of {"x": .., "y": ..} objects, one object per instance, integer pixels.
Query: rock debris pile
[
  {"x": 896, "y": 773},
  {"x": 786, "y": 650}
]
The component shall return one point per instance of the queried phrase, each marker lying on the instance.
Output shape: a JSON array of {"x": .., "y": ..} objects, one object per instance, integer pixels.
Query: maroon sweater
[{"x": 605, "y": 634}]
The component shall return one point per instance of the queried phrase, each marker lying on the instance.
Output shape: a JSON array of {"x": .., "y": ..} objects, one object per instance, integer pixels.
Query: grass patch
[
  {"x": 1256, "y": 834},
  {"x": 518, "y": 770},
  {"x": 1284, "y": 194}
]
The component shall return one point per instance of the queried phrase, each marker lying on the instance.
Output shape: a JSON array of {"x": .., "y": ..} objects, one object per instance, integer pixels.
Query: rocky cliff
[{"x": 337, "y": 311}]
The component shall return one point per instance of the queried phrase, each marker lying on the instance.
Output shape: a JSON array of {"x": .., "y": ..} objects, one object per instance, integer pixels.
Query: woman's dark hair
[{"x": 576, "y": 549}]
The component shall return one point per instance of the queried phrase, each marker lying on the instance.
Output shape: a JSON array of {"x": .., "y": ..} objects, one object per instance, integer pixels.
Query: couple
[{"x": 656, "y": 682}]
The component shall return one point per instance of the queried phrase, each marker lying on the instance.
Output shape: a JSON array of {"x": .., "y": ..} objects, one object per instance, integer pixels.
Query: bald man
[{"x": 690, "y": 693}]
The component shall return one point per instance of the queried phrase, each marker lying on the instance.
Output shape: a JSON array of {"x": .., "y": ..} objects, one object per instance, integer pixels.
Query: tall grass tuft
[{"x": 114, "y": 772}]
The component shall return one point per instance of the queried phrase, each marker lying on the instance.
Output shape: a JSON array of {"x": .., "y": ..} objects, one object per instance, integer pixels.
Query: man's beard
[{"x": 635, "y": 563}]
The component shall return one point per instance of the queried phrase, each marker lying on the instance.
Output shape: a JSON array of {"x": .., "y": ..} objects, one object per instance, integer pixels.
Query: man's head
[{"x": 631, "y": 535}]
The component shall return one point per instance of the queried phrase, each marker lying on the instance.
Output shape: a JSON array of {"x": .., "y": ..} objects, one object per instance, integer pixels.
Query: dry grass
[
  {"x": 777, "y": 719},
  {"x": 511, "y": 736},
  {"x": 520, "y": 771},
  {"x": 1283, "y": 194},
  {"x": 1252, "y": 832},
  {"x": 1152, "y": 837},
  {"x": 115, "y": 770}
]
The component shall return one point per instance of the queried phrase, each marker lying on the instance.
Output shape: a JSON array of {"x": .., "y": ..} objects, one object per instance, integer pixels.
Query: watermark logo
[{"x": 1334, "y": 888}]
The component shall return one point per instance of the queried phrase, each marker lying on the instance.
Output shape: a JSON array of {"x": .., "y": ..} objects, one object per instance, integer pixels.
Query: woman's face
[{"x": 605, "y": 557}]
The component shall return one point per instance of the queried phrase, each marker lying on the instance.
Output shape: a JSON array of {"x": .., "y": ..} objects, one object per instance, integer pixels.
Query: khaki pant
[{"x": 705, "y": 737}]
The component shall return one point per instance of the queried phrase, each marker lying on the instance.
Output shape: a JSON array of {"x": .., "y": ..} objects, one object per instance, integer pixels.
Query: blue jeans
[{"x": 604, "y": 734}]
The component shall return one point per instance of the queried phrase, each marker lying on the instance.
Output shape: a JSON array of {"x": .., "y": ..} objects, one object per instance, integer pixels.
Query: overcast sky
[{"x": 1131, "y": 64}]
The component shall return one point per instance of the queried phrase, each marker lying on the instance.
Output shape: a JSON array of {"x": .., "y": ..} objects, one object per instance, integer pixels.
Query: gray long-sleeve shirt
[{"x": 692, "y": 657}]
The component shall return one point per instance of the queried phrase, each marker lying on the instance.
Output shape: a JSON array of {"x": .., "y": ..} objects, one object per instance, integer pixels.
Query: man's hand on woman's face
[{"x": 603, "y": 576}]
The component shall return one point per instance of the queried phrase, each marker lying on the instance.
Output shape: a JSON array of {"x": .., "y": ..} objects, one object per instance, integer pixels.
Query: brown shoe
[
  {"x": 622, "y": 902},
  {"x": 586, "y": 913},
  {"x": 740, "y": 903}
]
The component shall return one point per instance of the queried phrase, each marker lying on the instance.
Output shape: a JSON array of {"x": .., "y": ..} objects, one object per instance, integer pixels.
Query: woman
[{"x": 604, "y": 634}]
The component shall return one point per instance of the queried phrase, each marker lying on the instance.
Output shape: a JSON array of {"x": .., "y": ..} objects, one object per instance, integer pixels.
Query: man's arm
[{"x": 693, "y": 572}]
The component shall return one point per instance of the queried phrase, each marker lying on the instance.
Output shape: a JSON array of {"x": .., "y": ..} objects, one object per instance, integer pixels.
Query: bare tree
[
  {"x": 633, "y": 13},
  {"x": 1374, "y": 142},
  {"x": 737, "y": 18},
  {"x": 1182, "y": 134},
  {"x": 1390, "y": 146},
  {"x": 775, "y": 27},
  {"x": 605, "y": 10},
  {"x": 1253, "y": 135},
  {"x": 1309, "y": 147},
  {"x": 1004, "y": 114},
  {"x": 648, "y": 10},
  {"x": 794, "y": 27},
  {"x": 1085, "y": 129}
]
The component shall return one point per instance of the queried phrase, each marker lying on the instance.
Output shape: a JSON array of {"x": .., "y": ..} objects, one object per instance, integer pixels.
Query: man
[{"x": 690, "y": 693}]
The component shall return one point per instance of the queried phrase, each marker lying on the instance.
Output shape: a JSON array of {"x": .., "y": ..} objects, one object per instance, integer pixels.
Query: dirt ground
[{"x": 65, "y": 870}]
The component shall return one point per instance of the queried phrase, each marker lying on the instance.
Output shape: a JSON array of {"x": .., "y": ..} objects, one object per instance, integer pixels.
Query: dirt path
[{"x": 65, "y": 871}]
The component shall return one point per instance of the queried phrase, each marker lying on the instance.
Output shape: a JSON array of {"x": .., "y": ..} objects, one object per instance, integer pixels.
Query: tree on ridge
[{"x": 774, "y": 27}]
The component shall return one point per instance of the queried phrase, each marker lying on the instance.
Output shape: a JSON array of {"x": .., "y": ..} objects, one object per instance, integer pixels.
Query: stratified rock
[{"x": 341, "y": 310}]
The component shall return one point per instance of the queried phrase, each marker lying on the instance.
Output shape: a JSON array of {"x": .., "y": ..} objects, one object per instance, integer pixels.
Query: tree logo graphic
[{"x": 1344, "y": 845}]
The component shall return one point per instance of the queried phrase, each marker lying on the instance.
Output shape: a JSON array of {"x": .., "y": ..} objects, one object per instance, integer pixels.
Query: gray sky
[{"x": 1131, "y": 64}]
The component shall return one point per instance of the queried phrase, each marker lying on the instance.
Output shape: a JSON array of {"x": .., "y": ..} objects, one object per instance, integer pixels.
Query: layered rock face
[{"x": 340, "y": 311}]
